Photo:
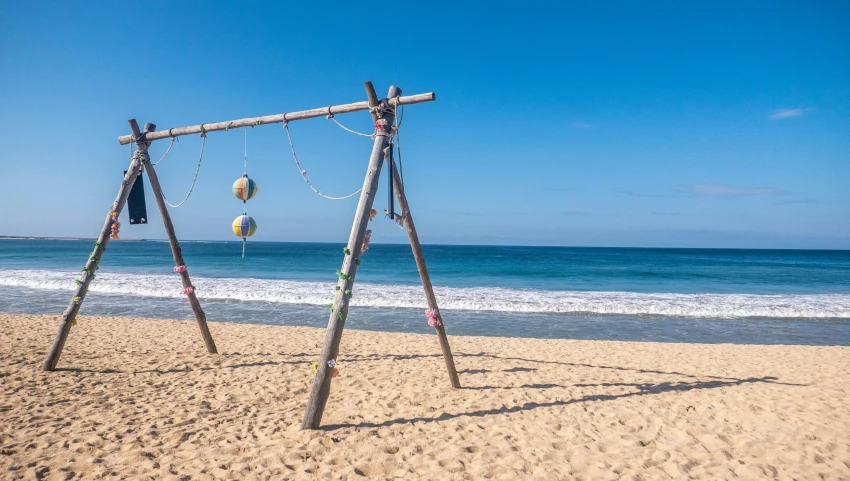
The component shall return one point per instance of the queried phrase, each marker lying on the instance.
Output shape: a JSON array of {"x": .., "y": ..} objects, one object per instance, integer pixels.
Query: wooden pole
[
  {"x": 423, "y": 274},
  {"x": 322, "y": 382},
  {"x": 176, "y": 252},
  {"x": 70, "y": 314},
  {"x": 278, "y": 118},
  {"x": 420, "y": 258}
]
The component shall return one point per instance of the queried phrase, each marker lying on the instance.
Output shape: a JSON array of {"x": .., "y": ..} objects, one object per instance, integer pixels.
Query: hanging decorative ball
[
  {"x": 244, "y": 226},
  {"x": 245, "y": 188}
]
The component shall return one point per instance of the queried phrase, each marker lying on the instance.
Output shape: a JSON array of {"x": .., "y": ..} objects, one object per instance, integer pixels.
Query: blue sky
[{"x": 672, "y": 124}]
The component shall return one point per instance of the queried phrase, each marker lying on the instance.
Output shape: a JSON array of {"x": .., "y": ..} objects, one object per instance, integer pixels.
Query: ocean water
[{"x": 668, "y": 295}]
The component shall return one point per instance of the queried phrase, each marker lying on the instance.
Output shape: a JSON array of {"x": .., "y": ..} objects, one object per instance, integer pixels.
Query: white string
[
  {"x": 166, "y": 151},
  {"x": 245, "y": 201},
  {"x": 192, "y": 187},
  {"x": 397, "y": 119},
  {"x": 398, "y": 141},
  {"x": 304, "y": 172},
  {"x": 349, "y": 130}
]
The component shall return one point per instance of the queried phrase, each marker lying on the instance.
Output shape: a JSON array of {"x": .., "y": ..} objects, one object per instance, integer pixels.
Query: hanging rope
[
  {"x": 166, "y": 151},
  {"x": 349, "y": 130},
  {"x": 397, "y": 131},
  {"x": 245, "y": 201},
  {"x": 197, "y": 169},
  {"x": 330, "y": 116},
  {"x": 304, "y": 172}
]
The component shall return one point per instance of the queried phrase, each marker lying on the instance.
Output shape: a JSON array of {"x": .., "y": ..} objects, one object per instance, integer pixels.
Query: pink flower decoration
[
  {"x": 188, "y": 290},
  {"x": 433, "y": 318},
  {"x": 180, "y": 268}
]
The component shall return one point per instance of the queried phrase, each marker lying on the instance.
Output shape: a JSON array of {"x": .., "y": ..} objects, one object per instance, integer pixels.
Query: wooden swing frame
[{"x": 383, "y": 112}]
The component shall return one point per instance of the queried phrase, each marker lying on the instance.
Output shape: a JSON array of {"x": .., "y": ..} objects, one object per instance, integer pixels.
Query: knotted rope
[
  {"x": 166, "y": 151},
  {"x": 330, "y": 116},
  {"x": 197, "y": 169},
  {"x": 379, "y": 110},
  {"x": 304, "y": 172}
]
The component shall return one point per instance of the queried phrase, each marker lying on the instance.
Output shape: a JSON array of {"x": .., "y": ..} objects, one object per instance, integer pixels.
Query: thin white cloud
[
  {"x": 728, "y": 190},
  {"x": 780, "y": 114},
  {"x": 581, "y": 125}
]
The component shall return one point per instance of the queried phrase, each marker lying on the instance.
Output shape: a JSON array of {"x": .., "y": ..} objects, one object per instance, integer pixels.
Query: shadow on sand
[
  {"x": 643, "y": 390},
  {"x": 640, "y": 389}
]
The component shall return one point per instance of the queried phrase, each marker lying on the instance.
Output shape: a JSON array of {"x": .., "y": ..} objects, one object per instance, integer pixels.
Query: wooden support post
[
  {"x": 423, "y": 274},
  {"x": 176, "y": 252},
  {"x": 322, "y": 382},
  {"x": 70, "y": 314},
  {"x": 420, "y": 260}
]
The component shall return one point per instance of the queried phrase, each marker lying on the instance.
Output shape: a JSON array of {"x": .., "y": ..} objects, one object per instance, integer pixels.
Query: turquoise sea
[{"x": 667, "y": 295}]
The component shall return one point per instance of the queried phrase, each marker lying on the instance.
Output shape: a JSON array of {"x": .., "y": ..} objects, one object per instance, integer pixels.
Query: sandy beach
[{"x": 140, "y": 398}]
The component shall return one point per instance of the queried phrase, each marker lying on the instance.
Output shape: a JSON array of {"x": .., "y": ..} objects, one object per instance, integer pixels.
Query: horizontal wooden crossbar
[{"x": 278, "y": 118}]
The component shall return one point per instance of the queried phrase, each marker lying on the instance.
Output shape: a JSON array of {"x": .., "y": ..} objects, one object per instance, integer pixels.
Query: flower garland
[
  {"x": 366, "y": 239},
  {"x": 331, "y": 364},
  {"x": 433, "y": 317},
  {"x": 116, "y": 226}
]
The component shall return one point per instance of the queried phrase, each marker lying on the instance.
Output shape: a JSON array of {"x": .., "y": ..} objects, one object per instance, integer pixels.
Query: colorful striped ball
[
  {"x": 244, "y": 226},
  {"x": 245, "y": 188}
]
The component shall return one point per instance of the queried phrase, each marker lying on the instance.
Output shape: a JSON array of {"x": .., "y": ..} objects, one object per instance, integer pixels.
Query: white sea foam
[{"x": 466, "y": 298}]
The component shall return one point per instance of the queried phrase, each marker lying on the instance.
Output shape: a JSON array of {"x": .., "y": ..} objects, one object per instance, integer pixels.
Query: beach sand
[{"x": 141, "y": 398}]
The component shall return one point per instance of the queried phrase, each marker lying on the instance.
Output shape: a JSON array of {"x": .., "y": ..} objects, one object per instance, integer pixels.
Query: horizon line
[{"x": 62, "y": 238}]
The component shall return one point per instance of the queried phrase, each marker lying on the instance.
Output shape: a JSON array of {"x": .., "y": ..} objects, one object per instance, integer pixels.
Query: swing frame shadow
[
  {"x": 383, "y": 114},
  {"x": 686, "y": 382}
]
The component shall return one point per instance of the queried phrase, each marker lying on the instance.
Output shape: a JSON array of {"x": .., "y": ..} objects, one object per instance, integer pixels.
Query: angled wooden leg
[
  {"x": 322, "y": 382},
  {"x": 423, "y": 274},
  {"x": 70, "y": 314},
  {"x": 176, "y": 252}
]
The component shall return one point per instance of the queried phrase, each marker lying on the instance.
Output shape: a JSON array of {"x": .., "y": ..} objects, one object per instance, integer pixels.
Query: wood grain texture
[
  {"x": 277, "y": 118},
  {"x": 177, "y": 254},
  {"x": 424, "y": 276},
  {"x": 91, "y": 266},
  {"x": 330, "y": 349}
]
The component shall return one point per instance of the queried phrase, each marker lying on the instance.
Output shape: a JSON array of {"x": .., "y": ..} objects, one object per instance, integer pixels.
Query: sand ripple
[{"x": 139, "y": 398}]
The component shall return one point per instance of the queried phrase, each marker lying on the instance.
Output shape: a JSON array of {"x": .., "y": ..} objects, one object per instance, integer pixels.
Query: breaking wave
[{"x": 724, "y": 306}]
